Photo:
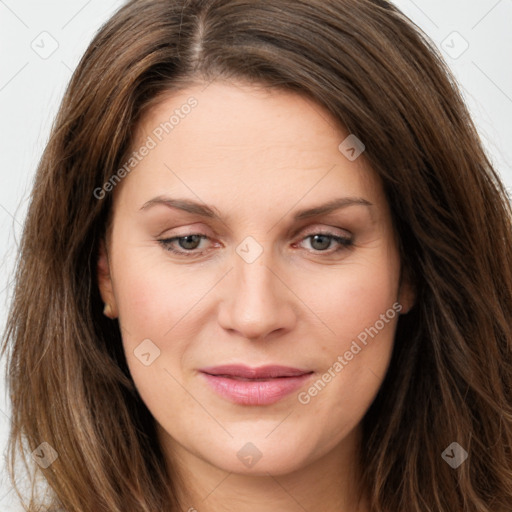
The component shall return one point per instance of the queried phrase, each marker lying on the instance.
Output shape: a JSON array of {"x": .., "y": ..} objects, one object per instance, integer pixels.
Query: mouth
[
  {"x": 246, "y": 372},
  {"x": 244, "y": 385}
]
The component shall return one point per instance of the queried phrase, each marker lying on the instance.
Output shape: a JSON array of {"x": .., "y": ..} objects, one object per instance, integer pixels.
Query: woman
[{"x": 181, "y": 339}]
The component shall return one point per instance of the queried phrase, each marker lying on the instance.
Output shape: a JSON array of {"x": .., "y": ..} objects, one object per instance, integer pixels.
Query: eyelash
[{"x": 344, "y": 243}]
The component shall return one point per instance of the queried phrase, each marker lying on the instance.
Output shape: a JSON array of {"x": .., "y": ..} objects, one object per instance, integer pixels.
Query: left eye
[
  {"x": 322, "y": 238},
  {"x": 189, "y": 243}
]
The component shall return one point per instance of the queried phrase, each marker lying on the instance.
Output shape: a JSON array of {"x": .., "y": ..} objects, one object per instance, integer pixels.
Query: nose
[{"x": 257, "y": 300}]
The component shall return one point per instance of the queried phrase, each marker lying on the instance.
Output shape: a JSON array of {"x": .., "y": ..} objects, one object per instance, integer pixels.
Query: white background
[{"x": 32, "y": 84}]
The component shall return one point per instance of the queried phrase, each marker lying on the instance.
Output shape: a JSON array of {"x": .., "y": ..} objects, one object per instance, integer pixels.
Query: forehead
[{"x": 237, "y": 138}]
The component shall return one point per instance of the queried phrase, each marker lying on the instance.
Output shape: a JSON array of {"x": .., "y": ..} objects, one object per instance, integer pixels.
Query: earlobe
[{"x": 105, "y": 282}]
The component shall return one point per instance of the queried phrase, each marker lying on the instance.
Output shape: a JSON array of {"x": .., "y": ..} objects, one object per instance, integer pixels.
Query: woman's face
[{"x": 265, "y": 275}]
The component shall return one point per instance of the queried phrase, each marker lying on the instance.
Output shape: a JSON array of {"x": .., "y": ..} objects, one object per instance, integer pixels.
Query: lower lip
[{"x": 255, "y": 392}]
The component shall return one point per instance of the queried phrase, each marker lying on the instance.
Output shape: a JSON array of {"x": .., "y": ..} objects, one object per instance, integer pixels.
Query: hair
[{"x": 378, "y": 74}]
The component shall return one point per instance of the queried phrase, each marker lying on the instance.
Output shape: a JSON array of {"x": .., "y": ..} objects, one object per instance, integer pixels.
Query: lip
[
  {"x": 261, "y": 372},
  {"x": 264, "y": 385}
]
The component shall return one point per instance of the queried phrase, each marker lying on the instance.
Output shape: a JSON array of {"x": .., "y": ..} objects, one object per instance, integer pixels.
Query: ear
[
  {"x": 406, "y": 292},
  {"x": 105, "y": 282}
]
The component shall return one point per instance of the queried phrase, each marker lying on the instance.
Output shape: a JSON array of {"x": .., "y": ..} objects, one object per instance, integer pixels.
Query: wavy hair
[{"x": 450, "y": 377}]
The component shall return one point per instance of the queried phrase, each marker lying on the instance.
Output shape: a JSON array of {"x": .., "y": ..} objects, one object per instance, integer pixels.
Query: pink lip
[{"x": 254, "y": 386}]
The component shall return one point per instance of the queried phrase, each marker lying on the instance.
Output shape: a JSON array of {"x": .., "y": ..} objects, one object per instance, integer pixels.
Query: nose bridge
[
  {"x": 252, "y": 261},
  {"x": 254, "y": 280},
  {"x": 258, "y": 303},
  {"x": 255, "y": 283}
]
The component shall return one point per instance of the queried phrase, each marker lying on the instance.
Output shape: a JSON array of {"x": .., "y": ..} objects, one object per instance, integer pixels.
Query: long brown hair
[{"x": 450, "y": 378}]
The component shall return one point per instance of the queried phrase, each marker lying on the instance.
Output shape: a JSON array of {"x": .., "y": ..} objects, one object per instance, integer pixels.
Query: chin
[{"x": 259, "y": 454}]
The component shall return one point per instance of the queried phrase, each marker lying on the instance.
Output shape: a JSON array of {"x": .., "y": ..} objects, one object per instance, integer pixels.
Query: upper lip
[{"x": 247, "y": 372}]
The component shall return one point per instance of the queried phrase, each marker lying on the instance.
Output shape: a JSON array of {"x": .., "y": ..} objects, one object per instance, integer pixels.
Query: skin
[{"x": 257, "y": 157}]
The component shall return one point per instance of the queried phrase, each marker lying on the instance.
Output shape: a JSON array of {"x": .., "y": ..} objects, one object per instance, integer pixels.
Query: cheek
[
  {"x": 359, "y": 310},
  {"x": 153, "y": 294},
  {"x": 352, "y": 298},
  {"x": 153, "y": 302},
  {"x": 154, "y": 314},
  {"x": 144, "y": 296}
]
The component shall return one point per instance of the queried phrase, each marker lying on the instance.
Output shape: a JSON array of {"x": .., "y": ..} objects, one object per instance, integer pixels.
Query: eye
[
  {"x": 321, "y": 242},
  {"x": 188, "y": 244}
]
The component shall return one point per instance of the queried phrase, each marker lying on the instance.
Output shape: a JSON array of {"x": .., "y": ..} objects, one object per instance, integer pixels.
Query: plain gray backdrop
[{"x": 41, "y": 43}]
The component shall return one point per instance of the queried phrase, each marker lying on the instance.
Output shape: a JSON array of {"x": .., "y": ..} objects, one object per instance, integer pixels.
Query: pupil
[
  {"x": 319, "y": 237},
  {"x": 189, "y": 239}
]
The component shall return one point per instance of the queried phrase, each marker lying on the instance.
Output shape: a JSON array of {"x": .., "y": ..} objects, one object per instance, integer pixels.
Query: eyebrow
[{"x": 204, "y": 210}]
